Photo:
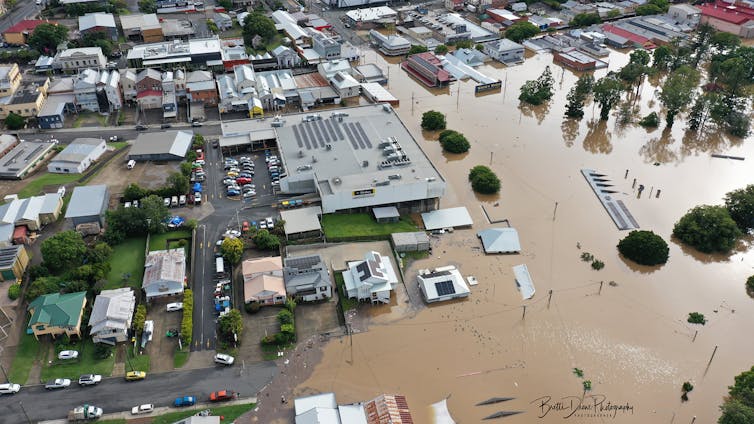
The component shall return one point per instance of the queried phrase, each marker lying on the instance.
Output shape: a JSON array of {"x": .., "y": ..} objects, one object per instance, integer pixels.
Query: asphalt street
[
  {"x": 26, "y": 9},
  {"x": 115, "y": 394}
]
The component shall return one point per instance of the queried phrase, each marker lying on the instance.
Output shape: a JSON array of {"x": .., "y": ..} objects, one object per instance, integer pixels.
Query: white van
[
  {"x": 131, "y": 163},
  {"x": 9, "y": 388},
  {"x": 182, "y": 200},
  {"x": 174, "y": 201},
  {"x": 220, "y": 267}
]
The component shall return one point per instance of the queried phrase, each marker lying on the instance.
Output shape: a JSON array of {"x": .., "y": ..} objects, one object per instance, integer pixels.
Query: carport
[
  {"x": 253, "y": 140},
  {"x": 302, "y": 223}
]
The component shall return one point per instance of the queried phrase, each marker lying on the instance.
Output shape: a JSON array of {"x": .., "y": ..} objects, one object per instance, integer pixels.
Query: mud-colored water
[{"x": 630, "y": 338}]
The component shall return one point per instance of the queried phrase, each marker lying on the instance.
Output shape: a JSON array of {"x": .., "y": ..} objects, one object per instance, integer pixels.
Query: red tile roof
[
  {"x": 638, "y": 39},
  {"x": 25, "y": 25},
  {"x": 734, "y": 14}
]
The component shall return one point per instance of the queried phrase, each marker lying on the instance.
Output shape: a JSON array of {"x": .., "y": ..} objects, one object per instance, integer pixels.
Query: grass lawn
[
  {"x": 362, "y": 224},
  {"x": 117, "y": 145},
  {"x": 230, "y": 413},
  {"x": 28, "y": 351},
  {"x": 137, "y": 362},
  {"x": 115, "y": 421},
  {"x": 180, "y": 357},
  {"x": 85, "y": 364},
  {"x": 158, "y": 241},
  {"x": 127, "y": 258},
  {"x": 408, "y": 257},
  {"x": 35, "y": 186},
  {"x": 347, "y": 303}
]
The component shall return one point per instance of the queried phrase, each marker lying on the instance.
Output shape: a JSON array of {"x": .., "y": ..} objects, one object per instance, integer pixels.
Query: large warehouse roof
[
  {"x": 174, "y": 143},
  {"x": 86, "y": 201}
]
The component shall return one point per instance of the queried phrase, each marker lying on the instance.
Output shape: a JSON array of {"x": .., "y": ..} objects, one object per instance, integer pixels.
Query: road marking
[{"x": 207, "y": 343}]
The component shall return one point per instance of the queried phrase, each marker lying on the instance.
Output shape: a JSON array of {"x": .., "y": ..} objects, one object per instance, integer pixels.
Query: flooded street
[{"x": 630, "y": 337}]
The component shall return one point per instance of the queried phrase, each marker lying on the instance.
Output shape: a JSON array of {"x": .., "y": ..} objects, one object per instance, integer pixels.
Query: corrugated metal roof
[
  {"x": 500, "y": 240},
  {"x": 447, "y": 218},
  {"x": 302, "y": 220},
  {"x": 87, "y": 201}
]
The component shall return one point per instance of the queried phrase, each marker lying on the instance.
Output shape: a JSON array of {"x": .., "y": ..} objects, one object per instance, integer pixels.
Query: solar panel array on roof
[
  {"x": 356, "y": 135},
  {"x": 363, "y": 135},
  {"x": 444, "y": 288},
  {"x": 323, "y": 130},
  {"x": 363, "y": 269},
  {"x": 311, "y": 134},
  {"x": 330, "y": 128},
  {"x": 298, "y": 137},
  {"x": 354, "y": 144},
  {"x": 336, "y": 127},
  {"x": 301, "y": 262}
]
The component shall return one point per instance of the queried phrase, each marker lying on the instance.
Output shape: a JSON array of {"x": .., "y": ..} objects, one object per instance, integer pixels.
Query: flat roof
[
  {"x": 168, "y": 142},
  {"x": 447, "y": 218},
  {"x": 302, "y": 220},
  {"x": 386, "y": 212},
  {"x": 371, "y": 14},
  {"x": 86, "y": 201},
  {"x": 22, "y": 157}
]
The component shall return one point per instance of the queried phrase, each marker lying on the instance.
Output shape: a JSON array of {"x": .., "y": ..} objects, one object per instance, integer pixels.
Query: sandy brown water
[{"x": 631, "y": 340}]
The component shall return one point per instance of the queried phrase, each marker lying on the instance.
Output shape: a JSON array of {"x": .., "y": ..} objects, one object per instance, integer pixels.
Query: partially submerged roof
[
  {"x": 447, "y": 218},
  {"x": 523, "y": 281},
  {"x": 500, "y": 240},
  {"x": 302, "y": 220},
  {"x": 323, "y": 400},
  {"x": 443, "y": 284}
]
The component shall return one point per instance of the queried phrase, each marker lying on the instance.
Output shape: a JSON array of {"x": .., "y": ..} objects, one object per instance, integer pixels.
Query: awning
[
  {"x": 447, "y": 218},
  {"x": 214, "y": 63},
  {"x": 163, "y": 61}
]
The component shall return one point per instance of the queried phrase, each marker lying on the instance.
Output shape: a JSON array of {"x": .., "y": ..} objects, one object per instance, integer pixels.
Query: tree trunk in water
[{"x": 669, "y": 118}]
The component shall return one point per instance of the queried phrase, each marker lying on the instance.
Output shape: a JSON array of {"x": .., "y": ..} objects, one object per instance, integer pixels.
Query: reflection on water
[
  {"x": 570, "y": 130},
  {"x": 658, "y": 149},
  {"x": 597, "y": 139}
]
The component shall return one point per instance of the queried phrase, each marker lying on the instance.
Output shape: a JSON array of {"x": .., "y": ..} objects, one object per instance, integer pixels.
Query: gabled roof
[
  {"x": 149, "y": 73},
  {"x": 264, "y": 285},
  {"x": 79, "y": 150},
  {"x": 255, "y": 266},
  {"x": 500, "y": 240},
  {"x": 87, "y": 201},
  {"x": 80, "y": 51},
  {"x": 26, "y": 25},
  {"x": 199, "y": 76},
  {"x": 94, "y": 20},
  {"x": 164, "y": 266},
  {"x": 59, "y": 310},
  {"x": 112, "y": 309}
]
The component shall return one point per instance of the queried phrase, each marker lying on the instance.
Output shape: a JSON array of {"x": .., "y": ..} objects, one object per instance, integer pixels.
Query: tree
[
  {"x": 139, "y": 317},
  {"x": 265, "y": 241},
  {"x": 155, "y": 212},
  {"x": 258, "y": 24},
  {"x": 454, "y": 142},
  {"x": 538, "y": 91},
  {"x": 585, "y": 19},
  {"x": 662, "y": 57},
  {"x": 483, "y": 180},
  {"x": 99, "y": 39},
  {"x": 230, "y": 324},
  {"x": 232, "y": 249},
  {"x": 42, "y": 285},
  {"x": 178, "y": 182},
  {"x": 14, "y": 121},
  {"x": 607, "y": 93},
  {"x": 650, "y": 121},
  {"x": 415, "y": 49},
  {"x": 441, "y": 49},
  {"x": 433, "y": 120},
  {"x": 64, "y": 250},
  {"x": 613, "y": 14},
  {"x": 647, "y": 9},
  {"x": 733, "y": 75},
  {"x": 724, "y": 42},
  {"x": 740, "y": 205},
  {"x": 708, "y": 229},
  {"x": 633, "y": 73},
  {"x": 644, "y": 248},
  {"x": 678, "y": 90},
  {"x": 147, "y": 6},
  {"x": 520, "y": 31},
  {"x": 100, "y": 253},
  {"x": 736, "y": 412},
  {"x": 696, "y": 318},
  {"x": 47, "y": 37},
  {"x": 134, "y": 192},
  {"x": 578, "y": 95}
]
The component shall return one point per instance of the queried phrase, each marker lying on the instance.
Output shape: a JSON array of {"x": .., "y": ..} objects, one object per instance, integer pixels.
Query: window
[
  {"x": 323, "y": 289},
  {"x": 57, "y": 168}
]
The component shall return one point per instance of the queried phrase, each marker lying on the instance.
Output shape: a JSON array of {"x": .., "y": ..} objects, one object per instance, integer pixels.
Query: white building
[
  {"x": 345, "y": 85},
  {"x": 442, "y": 284},
  {"x": 372, "y": 279},
  {"x": 83, "y": 57},
  {"x": 77, "y": 156},
  {"x": 164, "y": 273},
  {"x": 111, "y": 316},
  {"x": 505, "y": 51}
]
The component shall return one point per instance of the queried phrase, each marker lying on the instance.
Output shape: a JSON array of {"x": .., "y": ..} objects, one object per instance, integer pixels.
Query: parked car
[
  {"x": 232, "y": 193},
  {"x": 249, "y": 186},
  {"x": 135, "y": 375},
  {"x": 142, "y": 409},
  {"x": 176, "y": 306},
  {"x": 182, "y": 200},
  {"x": 165, "y": 126},
  {"x": 232, "y": 173},
  {"x": 249, "y": 194},
  {"x": 114, "y": 138},
  {"x": 9, "y": 388},
  {"x": 221, "y": 395},
  {"x": 141, "y": 127},
  {"x": 184, "y": 401},
  {"x": 89, "y": 379},
  {"x": 166, "y": 201},
  {"x": 244, "y": 174},
  {"x": 243, "y": 180},
  {"x": 197, "y": 198},
  {"x": 224, "y": 359},
  {"x": 215, "y": 144},
  {"x": 270, "y": 223},
  {"x": 68, "y": 354},
  {"x": 233, "y": 233},
  {"x": 196, "y": 124},
  {"x": 58, "y": 383}
]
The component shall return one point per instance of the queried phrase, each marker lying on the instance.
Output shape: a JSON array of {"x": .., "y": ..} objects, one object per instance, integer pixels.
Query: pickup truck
[{"x": 84, "y": 413}]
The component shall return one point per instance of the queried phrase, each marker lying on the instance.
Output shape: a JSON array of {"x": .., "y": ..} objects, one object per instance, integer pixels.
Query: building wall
[
  {"x": 513, "y": 55},
  {"x": 18, "y": 267},
  {"x": 76, "y": 168},
  {"x": 724, "y": 26},
  {"x": 82, "y": 61},
  {"x": 148, "y": 84},
  {"x": 42, "y": 330},
  {"x": 383, "y": 195},
  {"x": 14, "y": 81},
  {"x": 87, "y": 99},
  {"x": 347, "y": 92},
  {"x": 51, "y": 121},
  {"x": 27, "y": 110},
  {"x": 150, "y": 102},
  {"x": 209, "y": 97},
  {"x": 15, "y": 38}
]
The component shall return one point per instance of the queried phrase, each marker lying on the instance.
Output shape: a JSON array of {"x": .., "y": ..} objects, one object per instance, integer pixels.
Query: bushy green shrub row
[{"x": 187, "y": 323}]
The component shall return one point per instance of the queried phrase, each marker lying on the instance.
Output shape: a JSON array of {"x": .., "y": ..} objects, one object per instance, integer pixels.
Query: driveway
[{"x": 161, "y": 348}]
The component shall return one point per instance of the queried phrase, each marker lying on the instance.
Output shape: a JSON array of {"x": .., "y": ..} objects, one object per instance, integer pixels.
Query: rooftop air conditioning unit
[
  {"x": 314, "y": 159},
  {"x": 365, "y": 163}
]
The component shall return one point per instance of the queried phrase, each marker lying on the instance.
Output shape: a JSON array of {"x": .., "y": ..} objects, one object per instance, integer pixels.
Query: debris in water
[
  {"x": 501, "y": 414},
  {"x": 490, "y": 401}
]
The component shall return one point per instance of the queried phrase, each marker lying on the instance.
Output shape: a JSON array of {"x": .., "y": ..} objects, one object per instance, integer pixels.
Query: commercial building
[
  {"x": 56, "y": 314},
  {"x": 144, "y": 28},
  {"x": 30, "y": 214},
  {"x": 574, "y": 59},
  {"x": 52, "y": 115},
  {"x": 176, "y": 29},
  {"x": 372, "y": 279},
  {"x": 685, "y": 14},
  {"x": 24, "y": 158},
  {"x": 98, "y": 22},
  {"x": 85, "y": 90},
  {"x": 378, "y": 94},
  {"x": 19, "y": 33},
  {"x": 299, "y": 37},
  {"x": 164, "y": 273},
  {"x": 78, "y": 58},
  {"x": 200, "y": 87},
  {"x": 427, "y": 68},
  {"x": 197, "y": 52},
  {"x": 10, "y": 79},
  {"x": 733, "y": 17},
  {"x": 307, "y": 278},
  {"x": 505, "y": 51},
  {"x": 161, "y": 146},
  {"x": 77, "y": 156},
  {"x": 372, "y": 16},
  {"x": 13, "y": 263},
  {"x": 369, "y": 73},
  {"x": 111, "y": 316},
  {"x": 442, "y": 284},
  {"x": 88, "y": 205},
  {"x": 27, "y": 101},
  {"x": 352, "y": 3},
  {"x": 390, "y": 45}
]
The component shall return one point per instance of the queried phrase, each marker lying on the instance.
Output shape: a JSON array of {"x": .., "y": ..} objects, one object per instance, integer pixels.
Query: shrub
[
  {"x": 441, "y": 49},
  {"x": 187, "y": 322},
  {"x": 433, "y": 121},
  {"x": 650, "y": 121},
  {"x": 587, "y": 257},
  {"x": 750, "y": 284},
  {"x": 483, "y": 180},
  {"x": 454, "y": 142},
  {"x": 290, "y": 304},
  {"x": 708, "y": 229},
  {"x": 597, "y": 265},
  {"x": 285, "y": 317},
  {"x": 252, "y": 307},
  {"x": 644, "y": 248},
  {"x": 14, "y": 291},
  {"x": 139, "y": 317},
  {"x": 740, "y": 205},
  {"x": 696, "y": 318},
  {"x": 538, "y": 91},
  {"x": 415, "y": 48},
  {"x": 102, "y": 351}
]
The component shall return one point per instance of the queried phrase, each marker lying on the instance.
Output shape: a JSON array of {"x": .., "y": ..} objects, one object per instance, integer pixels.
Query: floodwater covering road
[{"x": 630, "y": 337}]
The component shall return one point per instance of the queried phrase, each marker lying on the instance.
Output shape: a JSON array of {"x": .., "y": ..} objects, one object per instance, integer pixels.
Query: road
[
  {"x": 115, "y": 394},
  {"x": 26, "y": 9}
]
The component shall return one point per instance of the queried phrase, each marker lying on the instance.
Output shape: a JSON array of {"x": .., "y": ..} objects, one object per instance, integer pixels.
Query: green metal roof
[{"x": 59, "y": 310}]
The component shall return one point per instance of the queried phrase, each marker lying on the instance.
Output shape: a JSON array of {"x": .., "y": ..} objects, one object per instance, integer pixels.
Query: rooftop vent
[
  {"x": 394, "y": 176},
  {"x": 300, "y": 153},
  {"x": 314, "y": 159},
  {"x": 328, "y": 146},
  {"x": 365, "y": 163},
  {"x": 383, "y": 183},
  {"x": 336, "y": 180}
]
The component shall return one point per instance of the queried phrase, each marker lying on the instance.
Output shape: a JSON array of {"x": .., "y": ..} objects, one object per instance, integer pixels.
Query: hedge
[
  {"x": 187, "y": 323},
  {"x": 14, "y": 291}
]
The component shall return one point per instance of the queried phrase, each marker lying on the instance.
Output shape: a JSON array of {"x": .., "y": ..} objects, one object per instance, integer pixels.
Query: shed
[
  {"x": 386, "y": 214},
  {"x": 168, "y": 145},
  {"x": 500, "y": 240},
  {"x": 303, "y": 222},
  {"x": 88, "y": 205},
  {"x": 51, "y": 207},
  {"x": 443, "y": 284},
  {"x": 410, "y": 242},
  {"x": 21, "y": 235},
  {"x": 447, "y": 218},
  {"x": 77, "y": 156},
  {"x": 523, "y": 281}
]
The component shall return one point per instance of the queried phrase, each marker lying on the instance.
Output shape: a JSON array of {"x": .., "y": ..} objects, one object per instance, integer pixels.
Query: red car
[
  {"x": 243, "y": 180},
  {"x": 245, "y": 227},
  {"x": 222, "y": 395}
]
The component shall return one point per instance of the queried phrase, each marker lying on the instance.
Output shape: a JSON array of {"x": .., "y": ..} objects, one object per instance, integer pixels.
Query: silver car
[
  {"x": 89, "y": 379},
  {"x": 58, "y": 383}
]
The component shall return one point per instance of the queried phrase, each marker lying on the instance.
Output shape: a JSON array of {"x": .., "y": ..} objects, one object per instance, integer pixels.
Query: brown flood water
[{"x": 631, "y": 340}]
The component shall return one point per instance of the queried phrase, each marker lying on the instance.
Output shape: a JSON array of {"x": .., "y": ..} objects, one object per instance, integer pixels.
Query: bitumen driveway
[{"x": 34, "y": 403}]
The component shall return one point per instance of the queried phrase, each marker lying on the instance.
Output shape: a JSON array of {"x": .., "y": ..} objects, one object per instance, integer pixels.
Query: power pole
[{"x": 412, "y": 103}]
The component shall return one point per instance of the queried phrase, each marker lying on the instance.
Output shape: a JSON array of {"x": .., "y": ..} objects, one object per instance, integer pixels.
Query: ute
[{"x": 84, "y": 413}]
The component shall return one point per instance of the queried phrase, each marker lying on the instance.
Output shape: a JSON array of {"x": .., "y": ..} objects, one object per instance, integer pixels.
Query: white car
[
  {"x": 177, "y": 306},
  {"x": 68, "y": 354},
  {"x": 58, "y": 383},
  {"x": 233, "y": 233},
  {"x": 89, "y": 379},
  {"x": 142, "y": 409},
  {"x": 9, "y": 388},
  {"x": 270, "y": 224},
  {"x": 224, "y": 359}
]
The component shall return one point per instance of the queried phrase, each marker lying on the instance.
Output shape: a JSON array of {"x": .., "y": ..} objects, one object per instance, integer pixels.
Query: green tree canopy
[
  {"x": 147, "y": 6},
  {"x": 258, "y": 24},
  {"x": 535, "y": 92},
  {"x": 578, "y": 95},
  {"x": 42, "y": 285},
  {"x": 740, "y": 205},
  {"x": 520, "y": 31},
  {"x": 708, "y": 229},
  {"x": 433, "y": 120},
  {"x": 232, "y": 249},
  {"x": 47, "y": 37},
  {"x": 678, "y": 91},
  {"x": 724, "y": 42},
  {"x": 739, "y": 405},
  {"x": 607, "y": 92},
  {"x": 230, "y": 324},
  {"x": 178, "y": 182},
  {"x": 14, "y": 121},
  {"x": 441, "y": 49},
  {"x": 454, "y": 142},
  {"x": 483, "y": 180},
  {"x": 64, "y": 250},
  {"x": 265, "y": 241},
  {"x": 644, "y": 248},
  {"x": 585, "y": 19},
  {"x": 416, "y": 48}
]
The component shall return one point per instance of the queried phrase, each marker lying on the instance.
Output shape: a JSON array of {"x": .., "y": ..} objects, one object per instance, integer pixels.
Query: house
[
  {"x": 200, "y": 87},
  {"x": 371, "y": 279},
  {"x": 52, "y": 114},
  {"x": 13, "y": 263},
  {"x": 286, "y": 57},
  {"x": 98, "y": 22},
  {"x": 19, "y": 33},
  {"x": 87, "y": 207},
  {"x": 10, "y": 79},
  {"x": 27, "y": 101},
  {"x": 82, "y": 57},
  {"x": 500, "y": 240},
  {"x": 85, "y": 90},
  {"x": 161, "y": 146},
  {"x": 233, "y": 53},
  {"x": 128, "y": 84},
  {"x": 77, "y": 156},
  {"x": 263, "y": 281},
  {"x": 56, "y": 314},
  {"x": 164, "y": 273},
  {"x": 388, "y": 409},
  {"x": 307, "y": 278},
  {"x": 345, "y": 85},
  {"x": 505, "y": 51},
  {"x": 144, "y": 28},
  {"x": 111, "y": 315},
  {"x": 442, "y": 284}
]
